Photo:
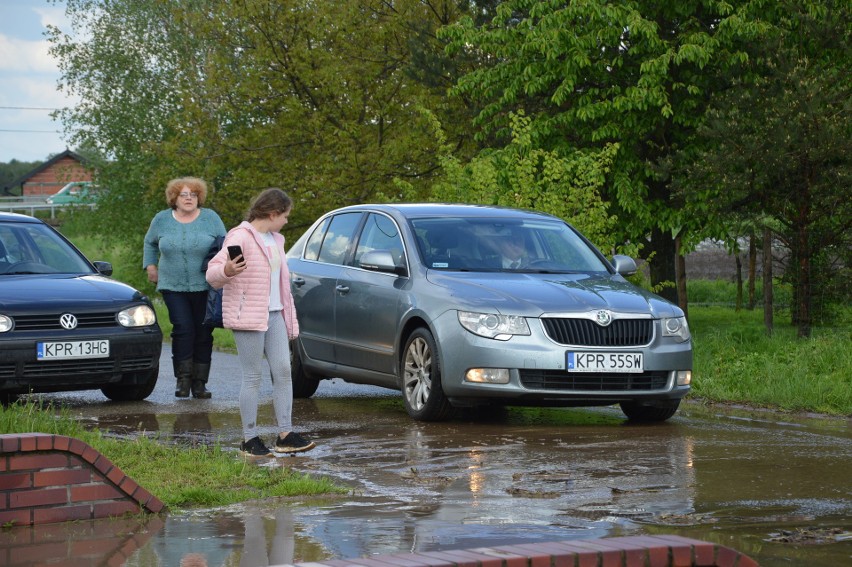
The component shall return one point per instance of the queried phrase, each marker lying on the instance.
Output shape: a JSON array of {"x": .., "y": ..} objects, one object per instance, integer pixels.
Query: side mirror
[
  {"x": 624, "y": 265},
  {"x": 103, "y": 268},
  {"x": 381, "y": 261}
]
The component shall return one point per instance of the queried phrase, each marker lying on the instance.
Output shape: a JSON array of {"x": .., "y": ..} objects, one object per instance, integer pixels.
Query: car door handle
[
  {"x": 298, "y": 282},
  {"x": 342, "y": 289}
]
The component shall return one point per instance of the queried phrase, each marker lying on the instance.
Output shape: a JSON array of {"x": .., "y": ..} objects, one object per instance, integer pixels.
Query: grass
[
  {"x": 736, "y": 362},
  {"x": 180, "y": 476}
]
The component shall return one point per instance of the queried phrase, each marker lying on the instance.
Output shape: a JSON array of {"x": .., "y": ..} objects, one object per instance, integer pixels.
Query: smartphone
[{"x": 234, "y": 251}]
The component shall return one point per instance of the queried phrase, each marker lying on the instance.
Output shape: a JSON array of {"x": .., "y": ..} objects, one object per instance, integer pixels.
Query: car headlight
[
  {"x": 138, "y": 316},
  {"x": 493, "y": 326},
  {"x": 6, "y": 323},
  {"x": 676, "y": 327}
]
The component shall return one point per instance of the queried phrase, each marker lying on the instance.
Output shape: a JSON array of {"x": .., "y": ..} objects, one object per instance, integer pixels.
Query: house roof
[{"x": 58, "y": 157}]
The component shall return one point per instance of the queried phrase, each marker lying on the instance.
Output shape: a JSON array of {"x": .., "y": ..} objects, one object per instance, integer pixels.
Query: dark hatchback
[{"x": 64, "y": 324}]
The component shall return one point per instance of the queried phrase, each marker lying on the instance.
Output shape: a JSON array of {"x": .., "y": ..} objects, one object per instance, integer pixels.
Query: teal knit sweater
[{"x": 178, "y": 250}]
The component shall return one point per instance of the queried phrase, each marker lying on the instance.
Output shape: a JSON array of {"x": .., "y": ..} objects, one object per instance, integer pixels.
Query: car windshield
[
  {"x": 498, "y": 244},
  {"x": 34, "y": 248}
]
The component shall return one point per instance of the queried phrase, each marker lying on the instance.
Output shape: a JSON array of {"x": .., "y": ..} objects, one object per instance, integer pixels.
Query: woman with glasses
[{"x": 176, "y": 246}]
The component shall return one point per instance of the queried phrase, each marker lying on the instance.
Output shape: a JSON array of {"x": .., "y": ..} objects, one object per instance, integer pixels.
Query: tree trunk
[
  {"x": 739, "y": 305},
  {"x": 662, "y": 268},
  {"x": 752, "y": 269},
  {"x": 680, "y": 270},
  {"x": 767, "y": 281}
]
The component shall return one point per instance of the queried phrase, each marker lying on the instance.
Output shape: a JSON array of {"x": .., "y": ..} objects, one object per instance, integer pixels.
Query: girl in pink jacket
[{"x": 258, "y": 307}]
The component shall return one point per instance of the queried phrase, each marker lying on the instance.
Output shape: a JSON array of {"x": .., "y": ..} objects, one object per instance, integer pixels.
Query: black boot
[
  {"x": 200, "y": 373},
  {"x": 183, "y": 373}
]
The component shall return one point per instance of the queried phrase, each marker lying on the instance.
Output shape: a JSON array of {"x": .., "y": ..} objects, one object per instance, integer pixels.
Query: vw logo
[
  {"x": 68, "y": 321},
  {"x": 603, "y": 318}
]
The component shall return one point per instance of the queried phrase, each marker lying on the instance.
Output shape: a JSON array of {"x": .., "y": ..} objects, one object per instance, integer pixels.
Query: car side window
[
  {"x": 380, "y": 233},
  {"x": 338, "y": 238},
  {"x": 312, "y": 248}
]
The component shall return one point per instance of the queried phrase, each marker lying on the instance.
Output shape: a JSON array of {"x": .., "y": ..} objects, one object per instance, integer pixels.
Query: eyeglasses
[{"x": 188, "y": 195}]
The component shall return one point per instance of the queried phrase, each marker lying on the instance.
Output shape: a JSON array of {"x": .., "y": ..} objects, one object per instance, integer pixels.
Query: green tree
[
  {"x": 321, "y": 99},
  {"x": 596, "y": 73},
  {"x": 779, "y": 151}
]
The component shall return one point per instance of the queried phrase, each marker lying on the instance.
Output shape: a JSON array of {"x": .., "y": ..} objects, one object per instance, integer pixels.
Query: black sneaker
[
  {"x": 255, "y": 447},
  {"x": 293, "y": 443}
]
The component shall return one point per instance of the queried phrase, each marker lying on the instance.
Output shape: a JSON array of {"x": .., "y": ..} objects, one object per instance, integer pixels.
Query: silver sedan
[{"x": 466, "y": 306}]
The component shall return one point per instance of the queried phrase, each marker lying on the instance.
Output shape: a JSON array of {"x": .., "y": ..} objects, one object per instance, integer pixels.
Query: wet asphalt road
[{"x": 739, "y": 478}]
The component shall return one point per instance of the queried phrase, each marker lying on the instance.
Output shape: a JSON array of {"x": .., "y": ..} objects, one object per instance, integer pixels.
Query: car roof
[
  {"x": 17, "y": 217},
  {"x": 414, "y": 210}
]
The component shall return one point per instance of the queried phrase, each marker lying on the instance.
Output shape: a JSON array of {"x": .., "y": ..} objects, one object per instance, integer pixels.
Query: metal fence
[{"x": 29, "y": 205}]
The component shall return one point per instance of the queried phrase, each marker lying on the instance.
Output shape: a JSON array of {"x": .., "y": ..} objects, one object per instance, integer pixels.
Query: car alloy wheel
[{"x": 421, "y": 379}]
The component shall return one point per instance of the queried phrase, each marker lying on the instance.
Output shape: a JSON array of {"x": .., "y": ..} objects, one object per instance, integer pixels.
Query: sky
[{"x": 28, "y": 81}]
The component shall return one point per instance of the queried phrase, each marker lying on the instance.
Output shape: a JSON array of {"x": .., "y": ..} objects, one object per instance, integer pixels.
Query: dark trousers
[{"x": 190, "y": 338}]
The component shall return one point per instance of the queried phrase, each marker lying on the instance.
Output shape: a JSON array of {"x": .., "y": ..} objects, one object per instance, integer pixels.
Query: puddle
[{"x": 735, "y": 478}]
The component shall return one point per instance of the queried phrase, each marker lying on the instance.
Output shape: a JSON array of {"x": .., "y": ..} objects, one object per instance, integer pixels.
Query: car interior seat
[{"x": 441, "y": 241}]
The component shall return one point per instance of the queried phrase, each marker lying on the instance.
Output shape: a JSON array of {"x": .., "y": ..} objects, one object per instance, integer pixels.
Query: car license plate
[
  {"x": 605, "y": 362},
  {"x": 72, "y": 349}
]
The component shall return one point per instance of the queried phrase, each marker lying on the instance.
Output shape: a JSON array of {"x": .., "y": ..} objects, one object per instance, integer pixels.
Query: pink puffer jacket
[{"x": 245, "y": 299}]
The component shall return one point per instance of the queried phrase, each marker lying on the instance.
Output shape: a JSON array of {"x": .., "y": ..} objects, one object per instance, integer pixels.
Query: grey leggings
[{"x": 251, "y": 346}]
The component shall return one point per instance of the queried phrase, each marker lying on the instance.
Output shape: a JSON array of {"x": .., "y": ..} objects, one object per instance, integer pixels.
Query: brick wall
[
  {"x": 636, "y": 551},
  {"x": 55, "y": 177},
  {"x": 52, "y": 478}
]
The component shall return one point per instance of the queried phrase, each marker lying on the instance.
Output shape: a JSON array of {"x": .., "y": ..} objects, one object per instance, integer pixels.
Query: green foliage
[
  {"x": 521, "y": 175},
  {"x": 315, "y": 98}
]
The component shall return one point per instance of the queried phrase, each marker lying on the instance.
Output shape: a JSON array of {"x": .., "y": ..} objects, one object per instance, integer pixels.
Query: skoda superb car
[
  {"x": 64, "y": 324},
  {"x": 465, "y": 306}
]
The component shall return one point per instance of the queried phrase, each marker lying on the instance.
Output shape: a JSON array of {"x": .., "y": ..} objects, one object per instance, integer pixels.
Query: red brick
[
  {"x": 16, "y": 517},
  {"x": 537, "y": 553},
  {"x": 16, "y": 481},
  {"x": 44, "y": 443},
  {"x": 89, "y": 455},
  {"x": 94, "y": 492},
  {"x": 128, "y": 485},
  {"x": 40, "y": 497},
  {"x": 111, "y": 509},
  {"x": 432, "y": 561},
  {"x": 38, "y": 461},
  {"x": 77, "y": 447},
  {"x": 10, "y": 443},
  {"x": 400, "y": 559},
  {"x": 28, "y": 443},
  {"x": 116, "y": 476},
  {"x": 454, "y": 559},
  {"x": 62, "y": 477},
  {"x": 61, "y": 514},
  {"x": 103, "y": 465},
  {"x": 726, "y": 557},
  {"x": 704, "y": 554},
  {"x": 61, "y": 442},
  {"x": 476, "y": 558}
]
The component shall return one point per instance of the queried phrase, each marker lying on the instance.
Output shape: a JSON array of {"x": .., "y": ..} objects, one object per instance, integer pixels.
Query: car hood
[
  {"x": 534, "y": 294},
  {"x": 43, "y": 292}
]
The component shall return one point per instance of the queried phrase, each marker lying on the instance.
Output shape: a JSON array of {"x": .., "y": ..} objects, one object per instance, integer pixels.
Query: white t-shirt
[{"x": 274, "y": 271}]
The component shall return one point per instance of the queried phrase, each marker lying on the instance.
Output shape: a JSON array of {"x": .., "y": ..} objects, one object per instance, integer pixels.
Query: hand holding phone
[{"x": 234, "y": 252}]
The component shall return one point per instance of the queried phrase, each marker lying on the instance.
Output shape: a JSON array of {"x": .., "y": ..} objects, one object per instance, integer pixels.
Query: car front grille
[
  {"x": 584, "y": 332},
  {"x": 593, "y": 381},
  {"x": 51, "y": 322},
  {"x": 75, "y": 369}
]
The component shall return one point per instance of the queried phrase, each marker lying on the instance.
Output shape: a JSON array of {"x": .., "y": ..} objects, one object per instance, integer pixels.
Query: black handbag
[{"x": 213, "y": 313}]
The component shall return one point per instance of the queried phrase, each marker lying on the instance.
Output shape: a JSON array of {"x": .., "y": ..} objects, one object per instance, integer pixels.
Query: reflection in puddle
[{"x": 425, "y": 487}]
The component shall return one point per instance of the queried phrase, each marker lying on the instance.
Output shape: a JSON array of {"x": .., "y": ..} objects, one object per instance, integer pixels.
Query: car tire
[
  {"x": 305, "y": 384},
  {"x": 660, "y": 411},
  {"x": 133, "y": 393},
  {"x": 420, "y": 379}
]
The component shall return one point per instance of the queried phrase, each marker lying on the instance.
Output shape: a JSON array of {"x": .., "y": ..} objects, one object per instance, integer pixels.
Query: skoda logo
[
  {"x": 68, "y": 321},
  {"x": 603, "y": 318}
]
